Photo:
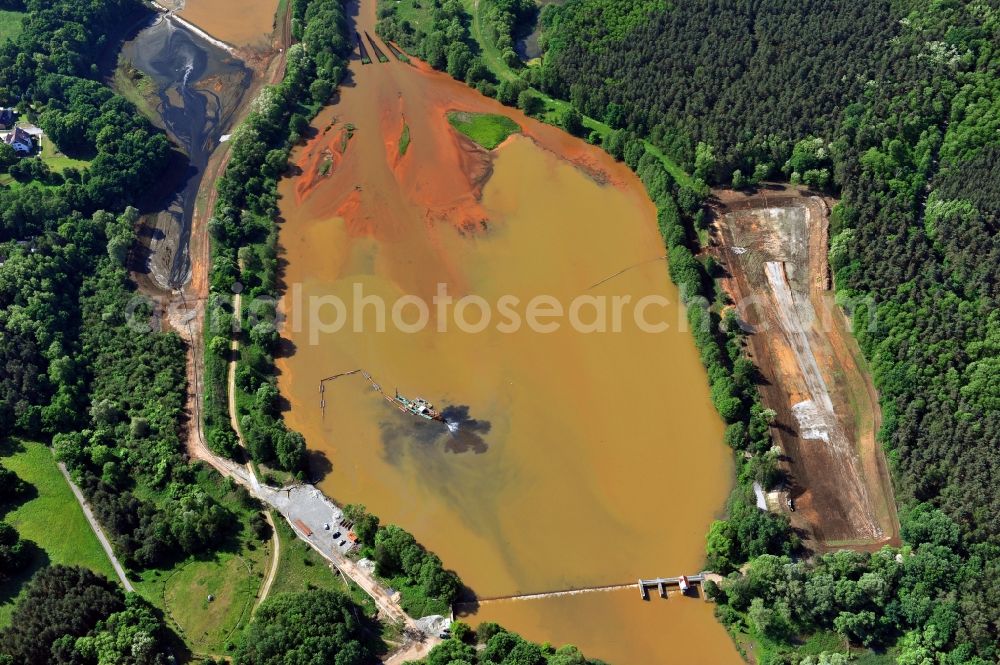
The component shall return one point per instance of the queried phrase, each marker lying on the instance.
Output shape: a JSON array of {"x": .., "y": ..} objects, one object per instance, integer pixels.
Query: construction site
[{"x": 773, "y": 247}]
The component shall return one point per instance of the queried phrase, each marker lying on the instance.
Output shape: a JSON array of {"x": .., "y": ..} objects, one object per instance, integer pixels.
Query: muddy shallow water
[
  {"x": 236, "y": 22},
  {"x": 581, "y": 458},
  {"x": 198, "y": 89}
]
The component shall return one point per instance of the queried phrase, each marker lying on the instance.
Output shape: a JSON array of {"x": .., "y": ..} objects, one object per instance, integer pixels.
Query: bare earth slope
[{"x": 774, "y": 247}]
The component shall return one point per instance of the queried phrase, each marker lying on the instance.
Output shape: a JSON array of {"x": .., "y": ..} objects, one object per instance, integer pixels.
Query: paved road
[
  {"x": 98, "y": 531},
  {"x": 307, "y": 510}
]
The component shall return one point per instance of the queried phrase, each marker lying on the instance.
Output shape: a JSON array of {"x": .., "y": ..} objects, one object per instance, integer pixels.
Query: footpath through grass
[
  {"x": 487, "y": 129},
  {"x": 209, "y": 600},
  {"x": 50, "y": 517},
  {"x": 231, "y": 575},
  {"x": 489, "y": 52}
]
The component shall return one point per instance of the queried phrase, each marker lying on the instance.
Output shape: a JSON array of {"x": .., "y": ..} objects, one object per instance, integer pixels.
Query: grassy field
[
  {"x": 136, "y": 87},
  {"x": 10, "y": 24},
  {"x": 302, "y": 569},
  {"x": 232, "y": 575},
  {"x": 764, "y": 648},
  {"x": 419, "y": 17},
  {"x": 404, "y": 140},
  {"x": 487, "y": 129},
  {"x": 56, "y": 160},
  {"x": 232, "y": 584},
  {"x": 51, "y": 518},
  {"x": 280, "y": 12}
]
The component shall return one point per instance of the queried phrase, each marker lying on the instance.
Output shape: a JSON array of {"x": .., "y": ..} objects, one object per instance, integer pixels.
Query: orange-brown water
[
  {"x": 583, "y": 459},
  {"x": 620, "y": 628},
  {"x": 236, "y": 22}
]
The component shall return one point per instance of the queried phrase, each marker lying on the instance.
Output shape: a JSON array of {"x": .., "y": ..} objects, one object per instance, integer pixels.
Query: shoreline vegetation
[
  {"x": 487, "y": 130},
  {"x": 244, "y": 249},
  {"x": 76, "y": 374},
  {"x": 112, "y": 401},
  {"x": 912, "y": 616}
]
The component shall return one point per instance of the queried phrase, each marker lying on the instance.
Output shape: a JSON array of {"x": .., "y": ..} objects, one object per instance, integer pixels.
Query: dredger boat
[{"x": 419, "y": 407}]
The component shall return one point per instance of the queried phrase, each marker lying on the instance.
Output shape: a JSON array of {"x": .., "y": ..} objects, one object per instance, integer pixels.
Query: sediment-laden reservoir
[
  {"x": 236, "y": 22},
  {"x": 580, "y": 458}
]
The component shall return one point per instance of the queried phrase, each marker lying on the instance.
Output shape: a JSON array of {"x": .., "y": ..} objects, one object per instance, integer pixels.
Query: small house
[
  {"x": 20, "y": 141},
  {"x": 32, "y": 131}
]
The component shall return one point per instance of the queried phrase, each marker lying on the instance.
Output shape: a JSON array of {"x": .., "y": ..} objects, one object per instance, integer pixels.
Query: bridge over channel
[{"x": 662, "y": 584}]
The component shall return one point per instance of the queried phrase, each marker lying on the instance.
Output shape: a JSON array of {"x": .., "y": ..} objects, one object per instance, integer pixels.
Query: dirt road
[
  {"x": 306, "y": 509},
  {"x": 773, "y": 245},
  {"x": 234, "y": 348},
  {"x": 265, "y": 587},
  {"x": 301, "y": 506}
]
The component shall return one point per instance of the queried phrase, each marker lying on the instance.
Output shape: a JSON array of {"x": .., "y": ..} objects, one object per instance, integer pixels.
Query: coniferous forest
[
  {"x": 905, "y": 108},
  {"x": 893, "y": 106}
]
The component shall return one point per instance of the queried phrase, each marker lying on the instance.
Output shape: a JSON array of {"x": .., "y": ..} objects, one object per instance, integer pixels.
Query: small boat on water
[{"x": 419, "y": 407}]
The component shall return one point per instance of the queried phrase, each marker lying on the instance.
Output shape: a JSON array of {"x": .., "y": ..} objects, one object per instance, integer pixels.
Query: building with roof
[{"x": 20, "y": 140}]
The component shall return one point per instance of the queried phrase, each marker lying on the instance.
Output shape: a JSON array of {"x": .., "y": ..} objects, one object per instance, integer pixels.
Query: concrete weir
[
  {"x": 663, "y": 583},
  {"x": 549, "y": 594}
]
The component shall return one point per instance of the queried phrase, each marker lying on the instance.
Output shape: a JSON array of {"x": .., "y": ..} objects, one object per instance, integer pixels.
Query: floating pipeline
[{"x": 417, "y": 406}]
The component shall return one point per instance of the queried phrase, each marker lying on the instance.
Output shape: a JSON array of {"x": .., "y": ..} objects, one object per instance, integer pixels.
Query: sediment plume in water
[{"x": 599, "y": 456}]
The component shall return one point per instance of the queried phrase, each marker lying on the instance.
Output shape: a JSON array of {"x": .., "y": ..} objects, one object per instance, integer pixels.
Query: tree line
[
  {"x": 48, "y": 72},
  {"x": 77, "y": 369},
  {"x": 425, "y": 585},
  {"x": 245, "y": 241},
  {"x": 14, "y": 551},
  {"x": 893, "y": 107},
  {"x": 504, "y": 22},
  {"x": 313, "y": 627},
  {"x": 446, "y": 43},
  {"x": 491, "y": 644},
  {"x": 83, "y": 367},
  {"x": 72, "y": 615},
  {"x": 911, "y": 598}
]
